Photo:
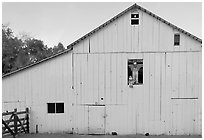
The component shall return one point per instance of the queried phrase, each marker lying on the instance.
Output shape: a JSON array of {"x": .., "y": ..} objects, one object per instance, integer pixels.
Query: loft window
[
  {"x": 176, "y": 39},
  {"x": 135, "y": 19},
  {"x": 135, "y": 72},
  {"x": 55, "y": 107}
]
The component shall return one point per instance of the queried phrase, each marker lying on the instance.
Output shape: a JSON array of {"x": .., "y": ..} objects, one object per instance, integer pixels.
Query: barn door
[{"x": 96, "y": 120}]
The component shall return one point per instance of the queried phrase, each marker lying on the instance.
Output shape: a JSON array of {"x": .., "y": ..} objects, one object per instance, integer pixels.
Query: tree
[
  {"x": 17, "y": 53},
  {"x": 10, "y": 49},
  {"x": 58, "y": 48}
]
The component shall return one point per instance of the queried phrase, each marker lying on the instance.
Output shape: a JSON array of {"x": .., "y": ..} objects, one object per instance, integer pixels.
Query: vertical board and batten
[
  {"x": 170, "y": 95},
  {"x": 159, "y": 103},
  {"x": 92, "y": 79},
  {"x": 49, "y": 82}
]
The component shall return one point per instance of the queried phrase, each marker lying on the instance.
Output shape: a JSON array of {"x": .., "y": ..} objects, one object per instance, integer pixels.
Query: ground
[{"x": 47, "y": 135}]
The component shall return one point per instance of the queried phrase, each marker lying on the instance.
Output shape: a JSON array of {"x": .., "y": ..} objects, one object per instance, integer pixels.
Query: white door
[{"x": 96, "y": 120}]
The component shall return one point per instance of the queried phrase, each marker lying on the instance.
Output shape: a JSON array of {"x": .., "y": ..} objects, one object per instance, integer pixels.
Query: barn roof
[{"x": 69, "y": 47}]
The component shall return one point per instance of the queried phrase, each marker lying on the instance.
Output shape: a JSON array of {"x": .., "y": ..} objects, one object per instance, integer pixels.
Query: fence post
[
  {"x": 15, "y": 122},
  {"x": 27, "y": 119}
]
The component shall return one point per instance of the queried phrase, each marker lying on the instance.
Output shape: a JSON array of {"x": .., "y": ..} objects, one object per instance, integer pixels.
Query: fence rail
[{"x": 15, "y": 124}]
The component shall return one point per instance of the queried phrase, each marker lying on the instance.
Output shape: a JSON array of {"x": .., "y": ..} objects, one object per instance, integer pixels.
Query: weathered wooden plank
[
  {"x": 96, "y": 78},
  {"x": 128, "y": 45},
  {"x": 157, "y": 93},
  {"x": 7, "y": 113},
  {"x": 114, "y": 79},
  {"x": 8, "y": 121},
  {"x": 89, "y": 79},
  {"x": 120, "y": 34},
  {"x": 115, "y": 37},
  {"x": 107, "y": 77},
  {"x": 21, "y": 112},
  {"x": 166, "y": 37},
  {"x": 85, "y": 79},
  {"x": 156, "y": 34},
  {"x": 152, "y": 95},
  {"x": 147, "y": 32},
  {"x": 101, "y": 41},
  {"x": 162, "y": 94},
  {"x": 146, "y": 97},
  {"x": 101, "y": 81},
  {"x": 82, "y": 77},
  {"x": 8, "y": 127},
  {"x": 168, "y": 106},
  {"x": 189, "y": 74},
  {"x": 94, "y": 43},
  {"x": 175, "y": 74},
  {"x": 119, "y": 68}
]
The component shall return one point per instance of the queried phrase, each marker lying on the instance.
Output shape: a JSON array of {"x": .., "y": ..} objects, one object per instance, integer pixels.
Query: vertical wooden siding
[
  {"x": 50, "y": 81},
  {"x": 99, "y": 67},
  {"x": 168, "y": 73},
  {"x": 150, "y": 107},
  {"x": 151, "y": 35}
]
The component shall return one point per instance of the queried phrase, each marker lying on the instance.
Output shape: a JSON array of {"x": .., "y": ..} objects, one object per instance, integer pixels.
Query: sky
[{"x": 66, "y": 22}]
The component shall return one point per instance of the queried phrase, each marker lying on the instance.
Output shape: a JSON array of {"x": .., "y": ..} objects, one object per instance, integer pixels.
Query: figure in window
[{"x": 135, "y": 72}]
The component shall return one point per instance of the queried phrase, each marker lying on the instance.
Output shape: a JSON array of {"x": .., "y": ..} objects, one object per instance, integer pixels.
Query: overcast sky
[{"x": 66, "y": 22}]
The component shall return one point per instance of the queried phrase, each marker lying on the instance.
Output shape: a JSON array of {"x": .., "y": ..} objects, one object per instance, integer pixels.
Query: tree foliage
[{"x": 19, "y": 52}]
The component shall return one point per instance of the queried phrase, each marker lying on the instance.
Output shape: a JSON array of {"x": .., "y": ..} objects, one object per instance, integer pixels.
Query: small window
[
  {"x": 135, "y": 72},
  {"x": 59, "y": 107},
  {"x": 135, "y": 15},
  {"x": 55, "y": 107},
  {"x": 51, "y": 107},
  {"x": 176, "y": 39},
  {"x": 135, "y": 19}
]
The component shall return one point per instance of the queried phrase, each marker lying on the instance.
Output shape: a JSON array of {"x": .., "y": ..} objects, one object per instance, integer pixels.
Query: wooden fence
[{"x": 17, "y": 122}]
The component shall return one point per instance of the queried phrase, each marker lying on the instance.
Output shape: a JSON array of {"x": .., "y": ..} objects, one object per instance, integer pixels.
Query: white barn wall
[
  {"x": 147, "y": 107},
  {"x": 151, "y": 35},
  {"x": 34, "y": 87},
  {"x": 97, "y": 68},
  {"x": 169, "y": 72}
]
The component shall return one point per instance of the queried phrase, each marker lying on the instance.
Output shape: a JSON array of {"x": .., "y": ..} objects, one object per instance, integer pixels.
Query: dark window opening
[
  {"x": 59, "y": 107},
  {"x": 140, "y": 75},
  {"x": 176, "y": 39},
  {"x": 135, "y": 19},
  {"x": 135, "y": 15},
  {"x": 55, "y": 107},
  {"x": 51, "y": 107},
  {"x": 135, "y": 72}
]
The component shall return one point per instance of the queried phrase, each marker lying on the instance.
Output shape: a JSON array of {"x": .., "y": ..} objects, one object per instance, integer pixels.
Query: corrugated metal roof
[{"x": 69, "y": 47}]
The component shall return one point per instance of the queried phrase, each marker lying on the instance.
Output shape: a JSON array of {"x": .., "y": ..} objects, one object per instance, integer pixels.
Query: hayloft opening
[{"x": 135, "y": 72}]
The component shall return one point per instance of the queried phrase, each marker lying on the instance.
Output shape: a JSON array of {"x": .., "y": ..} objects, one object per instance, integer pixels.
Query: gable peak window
[
  {"x": 135, "y": 18},
  {"x": 176, "y": 39}
]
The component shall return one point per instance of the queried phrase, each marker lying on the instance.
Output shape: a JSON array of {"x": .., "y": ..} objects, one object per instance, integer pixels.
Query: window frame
[
  {"x": 128, "y": 81},
  {"x": 56, "y": 110},
  {"x": 135, "y": 20},
  {"x": 179, "y": 39},
  {"x": 48, "y": 106}
]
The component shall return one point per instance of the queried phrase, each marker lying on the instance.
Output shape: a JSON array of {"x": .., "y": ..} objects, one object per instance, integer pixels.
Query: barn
[{"x": 135, "y": 74}]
